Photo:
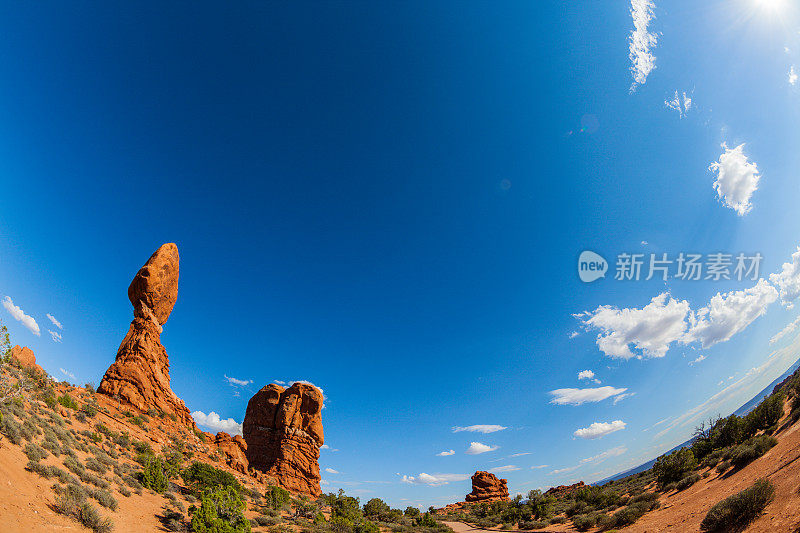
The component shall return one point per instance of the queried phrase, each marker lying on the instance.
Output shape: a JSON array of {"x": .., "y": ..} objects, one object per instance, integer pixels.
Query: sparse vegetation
[{"x": 737, "y": 511}]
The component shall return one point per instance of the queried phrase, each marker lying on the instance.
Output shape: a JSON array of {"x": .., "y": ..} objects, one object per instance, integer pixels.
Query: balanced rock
[
  {"x": 140, "y": 375},
  {"x": 234, "y": 450},
  {"x": 283, "y": 432},
  {"x": 25, "y": 358},
  {"x": 487, "y": 487}
]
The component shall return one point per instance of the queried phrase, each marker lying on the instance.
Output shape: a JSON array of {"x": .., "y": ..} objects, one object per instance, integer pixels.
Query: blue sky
[{"x": 389, "y": 200}]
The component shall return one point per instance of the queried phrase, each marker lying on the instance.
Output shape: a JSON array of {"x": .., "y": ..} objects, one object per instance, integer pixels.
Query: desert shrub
[
  {"x": 72, "y": 502},
  {"x": 200, "y": 477},
  {"x": 735, "y": 512},
  {"x": 38, "y": 468},
  {"x": 688, "y": 481},
  {"x": 89, "y": 410},
  {"x": 674, "y": 467},
  {"x": 411, "y": 512},
  {"x": 539, "y": 505},
  {"x": 750, "y": 450},
  {"x": 11, "y": 429},
  {"x": 221, "y": 511},
  {"x": 105, "y": 498},
  {"x": 764, "y": 416},
  {"x": 68, "y": 401},
  {"x": 584, "y": 522},
  {"x": 122, "y": 440},
  {"x": 142, "y": 448},
  {"x": 92, "y": 463},
  {"x": 153, "y": 476},
  {"x": 35, "y": 452}
]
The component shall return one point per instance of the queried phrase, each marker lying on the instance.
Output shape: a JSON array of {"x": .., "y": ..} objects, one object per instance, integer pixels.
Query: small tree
[
  {"x": 674, "y": 467},
  {"x": 153, "y": 476},
  {"x": 375, "y": 509},
  {"x": 221, "y": 511}
]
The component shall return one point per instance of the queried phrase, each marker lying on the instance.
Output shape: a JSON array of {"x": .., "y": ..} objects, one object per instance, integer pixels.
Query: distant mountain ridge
[{"x": 741, "y": 411}]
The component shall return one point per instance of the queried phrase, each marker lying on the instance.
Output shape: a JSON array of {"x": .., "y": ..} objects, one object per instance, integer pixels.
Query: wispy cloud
[
  {"x": 600, "y": 429},
  {"x": 238, "y": 382},
  {"x": 476, "y": 448},
  {"x": 433, "y": 479},
  {"x": 581, "y": 396},
  {"x": 641, "y": 42},
  {"x": 20, "y": 316},
  {"x": 56, "y": 336},
  {"x": 506, "y": 468},
  {"x": 479, "y": 428},
  {"x": 446, "y": 454},
  {"x": 737, "y": 179},
  {"x": 213, "y": 421},
  {"x": 55, "y": 322},
  {"x": 681, "y": 103},
  {"x": 328, "y": 448},
  {"x": 698, "y": 360},
  {"x": 792, "y": 76},
  {"x": 790, "y": 327},
  {"x": 595, "y": 459},
  {"x": 332, "y": 471},
  {"x": 68, "y": 374}
]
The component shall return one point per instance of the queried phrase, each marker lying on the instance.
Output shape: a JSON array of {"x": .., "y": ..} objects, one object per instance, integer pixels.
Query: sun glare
[{"x": 774, "y": 5}]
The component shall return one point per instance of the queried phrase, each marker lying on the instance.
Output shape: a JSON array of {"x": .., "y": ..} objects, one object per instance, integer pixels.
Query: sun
[{"x": 774, "y": 5}]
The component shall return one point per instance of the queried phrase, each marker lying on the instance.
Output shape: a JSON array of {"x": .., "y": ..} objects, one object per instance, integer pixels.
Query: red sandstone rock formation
[
  {"x": 283, "y": 431},
  {"x": 234, "y": 449},
  {"x": 24, "y": 357},
  {"x": 564, "y": 490},
  {"x": 486, "y": 487},
  {"x": 140, "y": 375}
]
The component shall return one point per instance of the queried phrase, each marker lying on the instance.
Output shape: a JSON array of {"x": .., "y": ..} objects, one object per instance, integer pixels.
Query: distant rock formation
[
  {"x": 487, "y": 487},
  {"x": 140, "y": 375},
  {"x": 564, "y": 490},
  {"x": 24, "y": 357},
  {"x": 283, "y": 432},
  {"x": 234, "y": 450}
]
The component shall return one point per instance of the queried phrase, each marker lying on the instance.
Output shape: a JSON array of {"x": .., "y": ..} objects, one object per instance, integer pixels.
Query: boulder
[
  {"x": 283, "y": 432},
  {"x": 234, "y": 450},
  {"x": 139, "y": 377},
  {"x": 487, "y": 487},
  {"x": 25, "y": 358}
]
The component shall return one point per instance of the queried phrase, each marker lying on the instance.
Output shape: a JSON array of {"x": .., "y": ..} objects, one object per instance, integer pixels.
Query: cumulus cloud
[
  {"x": 728, "y": 314},
  {"x": 581, "y": 396},
  {"x": 788, "y": 280},
  {"x": 447, "y": 453},
  {"x": 641, "y": 42},
  {"x": 585, "y": 374},
  {"x": 506, "y": 468},
  {"x": 476, "y": 448},
  {"x": 433, "y": 479},
  {"x": 790, "y": 327},
  {"x": 326, "y": 447},
  {"x": 20, "y": 316},
  {"x": 56, "y": 336},
  {"x": 600, "y": 429},
  {"x": 238, "y": 382},
  {"x": 331, "y": 471},
  {"x": 737, "y": 179},
  {"x": 650, "y": 330},
  {"x": 792, "y": 76},
  {"x": 681, "y": 103},
  {"x": 213, "y": 422},
  {"x": 479, "y": 428},
  {"x": 55, "y": 322}
]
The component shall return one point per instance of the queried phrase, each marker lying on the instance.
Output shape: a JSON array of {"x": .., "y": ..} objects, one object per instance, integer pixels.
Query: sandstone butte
[
  {"x": 24, "y": 357},
  {"x": 487, "y": 487},
  {"x": 283, "y": 431},
  {"x": 139, "y": 377},
  {"x": 564, "y": 490}
]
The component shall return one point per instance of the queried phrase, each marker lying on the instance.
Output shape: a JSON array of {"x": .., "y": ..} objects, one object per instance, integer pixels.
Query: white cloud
[
  {"x": 56, "y": 336},
  {"x": 792, "y": 76},
  {"x": 68, "y": 374},
  {"x": 621, "y": 397},
  {"x": 20, "y": 315},
  {"x": 790, "y": 327},
  {"x": 326, "y": 447},
  {"x": 519, "y": 454},
  {"x": 238, "y": 382},
  {"x": 55, "y": 322},
  {"x": 682, "y": 103},
  {"x": 737, "y": 179},
  {"x": 728, "y": 314},
  {"x": 476, "y": 447},
  {"x": 613, "y": 452},
  {"x": 600, "y": 429},
  {"x": 698, "y": 360},
  {"x": 641, "y": 41},
  {"x": 537, "y": 467},
  {"x": 650, "y": 330},
  {"x": 573, "y": 334},
  {"x": 788, "y": 280},
  {"x": 506, "y": 468},
  {"x": 479, "y": 428},
  {"x": 331, "y": 471},
  {"x": 585, "y": 374},
  {"x": 447, "y": 453},
  {"x": 581, "y": 396},
  {"x": 433, "y": 479},
  {"x": 215, "y": 423}
]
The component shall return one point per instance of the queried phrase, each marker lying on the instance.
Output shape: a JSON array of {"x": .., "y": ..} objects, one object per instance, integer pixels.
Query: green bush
[
  {"x": 411, "y": 512},
  {"x": 750, "y": 450},
  {"x": 221, "y": 511},
  {"x": 674, "y": 467},
  {"x": 68, "y": 401},
  {"x": 584, "y": 522},
  {"x": 737, "y": 511},
  {"x": 376, "y": 509},
  {"x": 35, "y": 452},
  {"x": 201, "y": 477},
  {"x": 153, "y": 476},
  {"x": 277, "y": 497},
  {"x": 688, "y": 481}
]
